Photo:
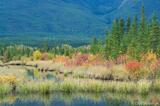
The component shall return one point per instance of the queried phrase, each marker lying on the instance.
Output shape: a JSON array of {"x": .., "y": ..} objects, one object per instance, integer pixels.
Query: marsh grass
[
  {"x": 72, "y": 85},
  {"x": 121, "y": 87},
  {"x": 156, "y": 86},
  {"x": 97, "y": 86},
  {"x": 67, "y": 86},
  {"x": 43, "y": 87},
  {"x": 144, "y": 87},
  {"x": 46, "y": 87},
  {"x": 5, "y": 89},
  {"x": 28, "y": 87}
]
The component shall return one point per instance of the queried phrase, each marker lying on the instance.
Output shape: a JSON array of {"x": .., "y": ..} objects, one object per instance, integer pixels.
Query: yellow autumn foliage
[
  {"x": 92, "y": 57},
  {"x": 149, "y": 57},
  {"x": 37, "y": 55},
  {"x": 8, "y": 79}
]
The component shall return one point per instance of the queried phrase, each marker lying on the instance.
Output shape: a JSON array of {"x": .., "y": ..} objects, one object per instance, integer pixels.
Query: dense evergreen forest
[{"x": 133, "y": 37}]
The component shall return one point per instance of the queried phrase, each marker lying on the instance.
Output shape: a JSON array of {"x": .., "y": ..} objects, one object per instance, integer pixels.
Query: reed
[
  {"x": 82, "y": 85},
  {"x": 27, "y": 87},
  {"x": 120, "y": 87},
  {"x": 67, "y": 86},
  {"x": 46, "y": 87},
  {"x": 5, "y": 89},
  {"x": 42, "y": 87},
  {"x": 156, "y": 86},
  {"x": 144, "y": 87}
]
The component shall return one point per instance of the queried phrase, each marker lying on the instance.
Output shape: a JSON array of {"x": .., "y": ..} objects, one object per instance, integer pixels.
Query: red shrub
[
  {"x": 110, "y": 63},
  {"x": 97, "y": 62},
  {"x": 133, "y": 65},
  {"x": 81, "y": 59},
  {"x": 121, "y": 59}
]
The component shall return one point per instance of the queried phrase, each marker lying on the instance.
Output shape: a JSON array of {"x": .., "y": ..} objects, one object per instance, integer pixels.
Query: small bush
[
  {"x": 45, "y": 56},
  {"x": 61, "y": 59},
  {"x": 135, "y": 69},
  {"x": 81, "y": 59},
  {"x": 122, "y": 59},
  {"x": 37, "y": 55}
]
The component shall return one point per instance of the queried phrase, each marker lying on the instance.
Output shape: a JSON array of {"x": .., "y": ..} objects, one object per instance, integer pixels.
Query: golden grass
[{"x": 82, "y": 85}]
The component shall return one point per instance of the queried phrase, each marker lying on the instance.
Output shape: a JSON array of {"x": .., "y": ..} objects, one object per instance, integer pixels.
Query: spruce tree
[
  {"x": 143, "y": 22},
  {"x": 144, "y": 32},
  {"x": 108, "y": 45},
  {"x": 133, "y": 48},
  {"x": 142, "y": 35},
  {"x": 94, "y": 45},
  {"x": 128, "y": 24},
  {"x": 134, "y": 28},
  {"x": 126, "y": 38},
  {"x": 122, "y": 35},
  {"x": 155, "y": 34},
  {"x": 114, "y": 39},
  {"x": 122, "y": 27}
]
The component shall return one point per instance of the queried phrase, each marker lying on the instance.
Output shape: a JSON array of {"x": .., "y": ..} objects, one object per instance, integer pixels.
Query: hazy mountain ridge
[{"x": 66, "y": 17}]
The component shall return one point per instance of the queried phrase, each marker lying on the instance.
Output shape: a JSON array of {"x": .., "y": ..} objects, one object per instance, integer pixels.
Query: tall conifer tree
[
  {"x": 128, "y": 24},
  {"x": 155, "y": 33}
]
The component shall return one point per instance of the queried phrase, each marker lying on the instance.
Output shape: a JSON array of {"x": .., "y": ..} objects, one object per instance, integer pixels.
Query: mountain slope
[
  {"x": 49, "y": 16},
  {"x": 133, "y": 7},
  {"x": 59, "y": 18}
]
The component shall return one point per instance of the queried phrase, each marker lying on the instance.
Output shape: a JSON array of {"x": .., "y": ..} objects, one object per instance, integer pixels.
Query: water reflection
[
  {"x": 33, "y": 75},
  {"x": 79, "y": 99}
]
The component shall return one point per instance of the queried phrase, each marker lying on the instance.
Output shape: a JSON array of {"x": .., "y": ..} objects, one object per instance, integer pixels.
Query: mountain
[{"x": 69, "y": 18}]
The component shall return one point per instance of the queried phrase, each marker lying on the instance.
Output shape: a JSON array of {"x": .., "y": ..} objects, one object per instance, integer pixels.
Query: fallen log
[{"x": 17, "y": 64}]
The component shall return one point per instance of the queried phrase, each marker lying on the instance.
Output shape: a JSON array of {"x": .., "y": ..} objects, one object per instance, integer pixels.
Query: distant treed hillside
[
  {"x": 47, "y": 16},
  {"x": 56, "y": 18}
]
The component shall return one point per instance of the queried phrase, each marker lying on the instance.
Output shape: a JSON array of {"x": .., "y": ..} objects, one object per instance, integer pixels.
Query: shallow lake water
[{"x": 79, "y": 99}]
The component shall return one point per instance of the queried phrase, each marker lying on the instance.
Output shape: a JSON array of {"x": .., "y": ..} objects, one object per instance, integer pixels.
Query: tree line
[{"x": 131, "y": 36}]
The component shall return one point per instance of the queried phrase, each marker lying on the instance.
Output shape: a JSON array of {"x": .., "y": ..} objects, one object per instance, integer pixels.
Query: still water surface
[{"x": 79, "y": 99}]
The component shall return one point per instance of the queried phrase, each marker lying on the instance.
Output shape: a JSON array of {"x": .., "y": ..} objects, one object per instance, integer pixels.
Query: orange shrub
[
  {"x": 61, "y": 59},
  {"x": 151, "y": 62},
  {"x": 82, "y": 59},
  {"x": 155, "y": 66}
]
